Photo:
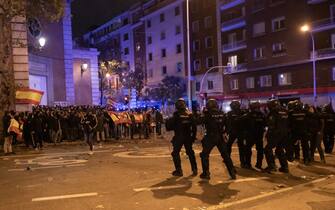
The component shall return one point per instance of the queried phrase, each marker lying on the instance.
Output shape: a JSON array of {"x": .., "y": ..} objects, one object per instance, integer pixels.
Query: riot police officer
[
  {"x": 329, "y": 129},
  {"x": 255, "y": 131},
  {"x": 277, "y": 122},
  {"x": 213, "y": 119},
  {"x": 235, "y": 130},
  {"x": 298, "y": 120},
  {"x": 184, "y": 126}
]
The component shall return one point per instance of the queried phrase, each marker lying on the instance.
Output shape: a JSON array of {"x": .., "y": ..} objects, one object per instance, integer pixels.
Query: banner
[{"x": 28, "y": 96}]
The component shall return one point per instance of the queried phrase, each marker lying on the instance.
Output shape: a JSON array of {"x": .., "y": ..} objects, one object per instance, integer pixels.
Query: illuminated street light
[
  {"x": 108, "y": 75},
  {"x": 42, "y": 41},
  {"x": 307, "y": 29}
]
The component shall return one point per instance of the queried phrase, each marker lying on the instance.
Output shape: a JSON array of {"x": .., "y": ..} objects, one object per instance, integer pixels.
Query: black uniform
[
  {"x": 214, "y": 124},
  {"x": 297, "y": 120},
  {"x": 236, "y": 131},
  {"x": 89, "y": 123},
  {"x": 315, "y": 126},
  {"x": 329, "y": 129},
  {"x": 184, "y": 126},
  {"x": 255, "y": 131},
  {"x": 277, "y": 121}
]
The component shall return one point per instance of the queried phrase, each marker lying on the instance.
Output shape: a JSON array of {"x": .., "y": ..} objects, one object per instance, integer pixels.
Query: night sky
[{"x": 87, "y": 14}]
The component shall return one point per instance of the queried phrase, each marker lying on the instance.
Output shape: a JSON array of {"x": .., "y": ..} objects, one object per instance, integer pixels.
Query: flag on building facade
[{"x": 28, "y": 96}]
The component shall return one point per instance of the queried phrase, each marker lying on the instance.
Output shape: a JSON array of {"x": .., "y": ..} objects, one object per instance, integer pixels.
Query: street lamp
[
  {"x": 307, "y": 29},
  {"x": 189, "y": 77},
  {"x": 41, "y": 42},
  {"x": 207, "y": 72}
]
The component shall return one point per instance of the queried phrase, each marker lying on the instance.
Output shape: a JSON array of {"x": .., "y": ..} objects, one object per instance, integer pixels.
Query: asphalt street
[{"x": 130, "y": 175}]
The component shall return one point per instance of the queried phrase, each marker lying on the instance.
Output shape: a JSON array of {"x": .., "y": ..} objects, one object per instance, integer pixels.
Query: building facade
[{"x": 269, "y": 54}]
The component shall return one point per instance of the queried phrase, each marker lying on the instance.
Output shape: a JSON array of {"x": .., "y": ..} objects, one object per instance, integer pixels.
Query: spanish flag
[{"x": 28, "y": 96}]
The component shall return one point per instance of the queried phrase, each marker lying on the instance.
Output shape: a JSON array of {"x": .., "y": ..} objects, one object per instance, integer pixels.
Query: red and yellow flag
[{"x": 28, "y": 96}]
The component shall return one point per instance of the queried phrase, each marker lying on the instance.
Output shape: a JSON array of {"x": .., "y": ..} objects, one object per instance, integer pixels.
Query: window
[
  {"x": 177, "y": 11},
  {"x": 179, "y": 66},
  {"x": 150, "y": 56},
  {"x": 164, "y": 70},
  {"x": 150, "y": 73},
  {"x": 163, "y": 53},
  {"x": 333, "y": 73},
  {"x": 196, "y": 65},
  {"x": 278, "y": 49},
  {"x": 259, "y": 29},
  {"x": 178, "y": 48},
  {"x": 278, "y": 24},
  {"x": 234, "y": 84},
  {"x": 250, "y": 82},
  {"x": 196, "y": 45},
  {"x": 197, "y": 86},
  {"x": 195, "y": 26},
  {"x": 285, "y": 79},
  {"x": 125, "y": 37},
  {"x": 162, "y": 17},
  {"x": 163, "y": 35},
  {"x": 210, "y": 84},
  {"x": 178, "y": 29},
  {"x": 232, "y": 60},
  {"x": 259, "y": 53},
  {"x": 333, "y": 38},
  {"x": 208, "y": 22},
  {"x": 126, "y": 51},
  {"x": 149, "y": 39},
  {"x": 209, "y": 42},
  {"x": 209, "y": 62},
  {"x": 149, "y": 23},
  {"x": 265, "y": 81}
]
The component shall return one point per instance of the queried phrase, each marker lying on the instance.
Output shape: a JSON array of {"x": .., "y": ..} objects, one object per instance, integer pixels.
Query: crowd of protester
[{"x": 57, "y": 124}]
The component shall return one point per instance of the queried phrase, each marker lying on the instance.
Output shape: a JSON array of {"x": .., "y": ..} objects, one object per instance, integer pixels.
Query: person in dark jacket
[
  {"x": 89, "y": 123},
  {"x": 184, "y": 126}
]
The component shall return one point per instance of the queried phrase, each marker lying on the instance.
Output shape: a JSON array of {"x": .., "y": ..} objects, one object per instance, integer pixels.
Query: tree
[
  {"x": 169, "y": 90},
  {"x": 50, "y": 10}
]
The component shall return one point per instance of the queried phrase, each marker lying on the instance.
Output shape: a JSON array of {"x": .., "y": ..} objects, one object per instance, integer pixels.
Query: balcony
[
  {"x": 323, "y": 25},
  {"x": 233, "y": 24},
  {"x": 227, "y": 4},
  {"x": 234, "y": 46},
  {"x": 315, "y": 1},
  {"x": 236, "y": 69},
  {"x": 324, "y": 53}
]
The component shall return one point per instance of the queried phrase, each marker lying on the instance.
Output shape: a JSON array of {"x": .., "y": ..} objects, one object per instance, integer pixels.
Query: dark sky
[{"x": 89, "y": 13}]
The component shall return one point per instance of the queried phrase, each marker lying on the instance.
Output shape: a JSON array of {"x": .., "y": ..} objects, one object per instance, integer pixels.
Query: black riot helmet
[
  {"x": 212, "y": 105},
  {"x": 328, "y": 108},
  {"x": 291, "y": 105},
  {"x": 273, "y": 104},
  {"x": 299, "y": 105},
  {"x": 180, "y": 104},
  {"x": 235, "y": 105},
  {"x": 255, "y": 106}
]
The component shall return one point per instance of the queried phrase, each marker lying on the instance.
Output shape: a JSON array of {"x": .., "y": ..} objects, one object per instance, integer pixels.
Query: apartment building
[
  {"x": 269, "y": 54},
  {"x": 165, "y": 40},
  {"x": 205, "y": 51}
]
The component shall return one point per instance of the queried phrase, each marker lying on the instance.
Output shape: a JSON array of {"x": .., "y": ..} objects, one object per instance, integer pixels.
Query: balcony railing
[
  {"x": 324, "y": 53},
  {"x": 233, "y": 24},
  {"x": 322, "y": 25},
  {"x": 239, "y": 68},
  {"x": 234, "y": 46},
  {"x": 227, "y": 4}
]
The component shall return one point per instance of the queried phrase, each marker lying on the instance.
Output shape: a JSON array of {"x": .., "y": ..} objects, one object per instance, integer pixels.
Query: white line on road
[
  {"x": 161, "y": 188},
  {"x": 243, "y": 180},
  {"x": 64, "y": 197},
  {"x": 253, "y": 198},
  {"x": 44, "y": 167}
]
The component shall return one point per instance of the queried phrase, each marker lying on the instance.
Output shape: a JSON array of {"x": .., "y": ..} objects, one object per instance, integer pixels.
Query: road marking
[
  {"x": 43, "y": 167},
  {"x": 64, "y": 197},
  {"x": 253, "y": 198},
  {"x": 160, "y": 188},
  {"x": 243, "y": 180}
]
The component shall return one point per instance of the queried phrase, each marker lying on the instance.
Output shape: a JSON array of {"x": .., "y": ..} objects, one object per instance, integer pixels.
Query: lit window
[
  {"x": 234, "y": 84},
  {"x": 278, "y": 24},
  {"x": 250, "y": 82},
  {"x": 285, "y": 79},
  {"x": 265, "y": 81},
  {"x": 232, "y": 60},
  {"x": 278, "y": 49}
]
